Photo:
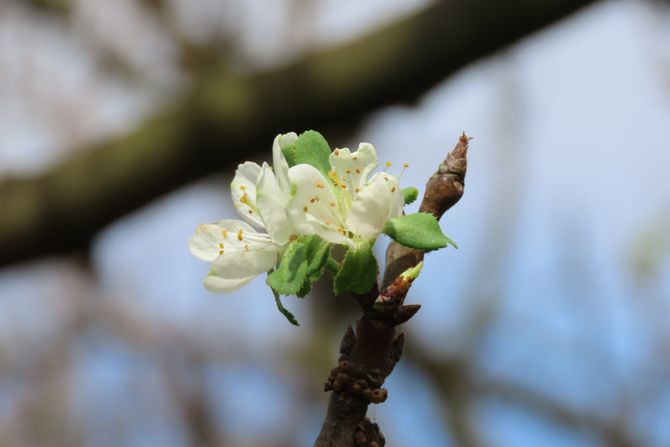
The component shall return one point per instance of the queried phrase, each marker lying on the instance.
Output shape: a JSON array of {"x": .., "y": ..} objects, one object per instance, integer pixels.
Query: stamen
[
  {"x": 357, "y": 190},
  {"x": 239, "y": 235},
  {"x": 332, "y": 204},
  {"x": 293, "y": 237},
  {"x": 358, "y": 171},
  {"x": 312, "y": 200},
  {"x": 387, "y": 165},
  {"x": 221, "y": 245},
  {"x": 337, "y": 152},
  {"x": 246, "y": 247},
  {"x": 348, "y": 171},
  {"x": 305, "y": 209},
  {"x": 224, "y": 233},
  {"x": 220, "y": 252},
  {"x": 242, "y": 187},
  {"x": 393, "y": 189},
  {"x": 404, "y": 166}
]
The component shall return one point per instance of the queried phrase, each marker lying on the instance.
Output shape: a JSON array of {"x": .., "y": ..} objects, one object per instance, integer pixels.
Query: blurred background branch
[{"x": 226, "y": 115}]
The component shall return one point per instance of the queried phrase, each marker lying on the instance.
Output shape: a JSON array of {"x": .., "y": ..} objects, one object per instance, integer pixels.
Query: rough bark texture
[
  {"x": 227, "y": 116},
  {"x": 369, "y": 354}
]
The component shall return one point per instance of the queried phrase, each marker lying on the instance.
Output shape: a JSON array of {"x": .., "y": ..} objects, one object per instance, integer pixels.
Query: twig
[{"x": 369, "y": 354}]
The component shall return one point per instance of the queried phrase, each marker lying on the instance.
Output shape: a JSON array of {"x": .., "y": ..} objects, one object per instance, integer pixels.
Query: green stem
[{"x": 332, "y": 264}]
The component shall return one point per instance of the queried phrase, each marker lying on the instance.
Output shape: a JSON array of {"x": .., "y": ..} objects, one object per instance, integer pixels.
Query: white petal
[
  {"x": 217, "y": 284},
  {"x": 243, "y": 192},
  {"x": 378, "y": 201},
  {"x": 228, "y": 236},
  {"x": 279, "y": 162},
  {"x": 250, "y": 262},
  {"x": 314, "y": 208},
  {"x": 352, "y": 169},
  {"x": 272, "y": 202}
]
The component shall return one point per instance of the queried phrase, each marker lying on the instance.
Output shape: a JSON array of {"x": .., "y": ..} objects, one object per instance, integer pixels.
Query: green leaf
[
  {"x": 418, "y": 230},
  {"x": 289, "y": 316},
  {"x": 289, "y": 277},
  {"x": 410, "y": 193},
  {"x": 317, "y": 251},
  {"x": 358, "y": 271},
  {"x": 310, "y": 148}
]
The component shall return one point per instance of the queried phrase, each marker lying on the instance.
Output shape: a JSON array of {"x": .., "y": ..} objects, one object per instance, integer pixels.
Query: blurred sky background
[{"x": 547, "y": 327}]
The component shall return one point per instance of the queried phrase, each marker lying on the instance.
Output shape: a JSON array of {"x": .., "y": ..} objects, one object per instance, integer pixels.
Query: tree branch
[
  {"x": 369, "y": 354},
  {"x": 227, "y": 116}
]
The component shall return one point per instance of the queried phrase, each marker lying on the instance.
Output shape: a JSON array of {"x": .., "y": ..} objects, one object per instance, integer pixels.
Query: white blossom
[
  {"x": 344, "y": 207},
  {"x": 237, "y": 251}
]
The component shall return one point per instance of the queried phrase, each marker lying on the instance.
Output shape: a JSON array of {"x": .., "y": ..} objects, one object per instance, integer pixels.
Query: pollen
[{"x": 239, "y": 235}]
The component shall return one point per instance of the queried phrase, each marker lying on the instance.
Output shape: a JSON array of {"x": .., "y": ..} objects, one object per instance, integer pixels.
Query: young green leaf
[
  {"x": 289, "y": 277},
  {"x": 418, "y": 230},
  {"x": 410, "y": 194},
  {"x": 289, "y": 316},
  {"x": 358, "y": 271},
  {"x": 310, "y": 148},
  {"x": 317, "y": 251}
]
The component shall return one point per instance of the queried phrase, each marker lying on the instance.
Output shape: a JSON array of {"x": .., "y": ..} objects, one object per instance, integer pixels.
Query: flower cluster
[{"x": 296, "y": 210}]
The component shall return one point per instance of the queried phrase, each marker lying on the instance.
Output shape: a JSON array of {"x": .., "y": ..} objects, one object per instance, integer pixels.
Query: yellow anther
[
  {"x": 388, "y": 164},
  {"x": 221, "y": 245},
  {"x": 348, "y": 171},
  {"x": 337, "y": 152},
  {"x": 332, "y": 204},
  {"x": 239, "y": 235},
  {"x": 293, "y": 237},
  {"x": 305, "y": 209},
  {"x": 251, "y": 211},
  {"x": 312, "y": 200},
  {"x": 405, "y": 165},
  {"x": 355, "y": 158},
  {"x": 358, "y": 190},
  {"x": 393, "y": 189},
  {"x": 220, "y": 252},
  {"x": 358, "y": 171},
  {"x": 224, "y": 233},
  {"x": 242, "y": 187}
]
